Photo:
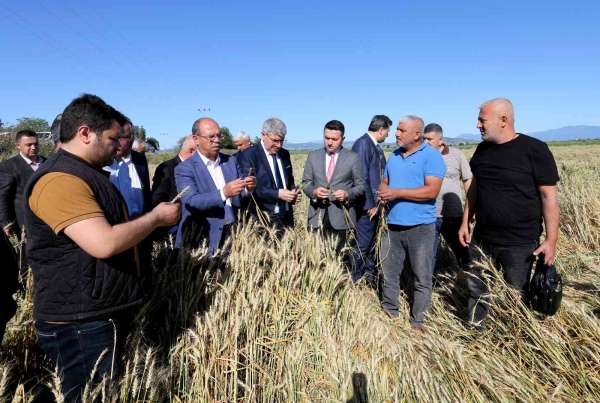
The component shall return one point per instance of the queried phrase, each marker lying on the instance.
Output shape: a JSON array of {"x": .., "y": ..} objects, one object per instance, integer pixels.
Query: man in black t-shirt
[{"x": 512, "y": 194}]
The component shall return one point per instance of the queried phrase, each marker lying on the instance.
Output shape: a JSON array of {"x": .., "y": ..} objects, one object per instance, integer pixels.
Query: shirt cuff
[{"x": 223, "y": 195}]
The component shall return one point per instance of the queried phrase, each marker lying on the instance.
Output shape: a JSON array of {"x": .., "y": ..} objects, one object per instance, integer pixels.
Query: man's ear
[
  {"x": 504, "y": 120},
  {"x": 84, "y": 133}
]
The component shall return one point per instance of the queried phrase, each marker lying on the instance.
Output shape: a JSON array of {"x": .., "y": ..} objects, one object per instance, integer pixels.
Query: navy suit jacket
[
  {"x": 202, "y": 204},
  {"x": 141, "y": 167},
  {"x": 266, "y": 193},
  {"x": 373, "y": 164}
]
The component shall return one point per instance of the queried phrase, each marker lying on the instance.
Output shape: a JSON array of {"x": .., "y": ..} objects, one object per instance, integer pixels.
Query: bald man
[
  {"x": 512, "y": 193},
  {"x": 216, "y": 189},
  {"x": 163, "y": 182}
]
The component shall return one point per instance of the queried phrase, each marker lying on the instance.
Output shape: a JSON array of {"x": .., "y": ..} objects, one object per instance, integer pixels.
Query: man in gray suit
[{"x": 333, "y": 181}]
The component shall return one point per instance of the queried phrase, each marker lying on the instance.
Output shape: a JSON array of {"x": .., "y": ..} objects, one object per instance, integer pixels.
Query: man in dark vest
[{"x": 83, "y": 249}]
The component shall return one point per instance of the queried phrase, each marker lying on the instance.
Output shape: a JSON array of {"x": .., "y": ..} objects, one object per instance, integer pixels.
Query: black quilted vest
[{"x": 69, "y": 284}]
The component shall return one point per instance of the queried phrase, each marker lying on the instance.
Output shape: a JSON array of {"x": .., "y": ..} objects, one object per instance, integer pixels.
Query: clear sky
[{"x": 304, "y": 61}]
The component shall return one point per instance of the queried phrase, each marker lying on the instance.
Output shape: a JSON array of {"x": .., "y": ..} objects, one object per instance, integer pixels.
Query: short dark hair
[
  {"x": 433, "y": 127},
  {"x": 335, "y": 125},
  {"x": 379, "y": 122},
  {"x": 55, "y": 129},
  {"x": 88, "y": 110},
  {"x": 25, "y": 133}
]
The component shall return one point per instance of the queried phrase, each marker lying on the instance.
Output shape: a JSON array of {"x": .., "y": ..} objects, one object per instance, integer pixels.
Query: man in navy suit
[
  {"x": 216, "y": 187},
  {"x": 373, "y": 163},
  {"x": 129, "y": 173},
  {"x": 276, "y": 191}
]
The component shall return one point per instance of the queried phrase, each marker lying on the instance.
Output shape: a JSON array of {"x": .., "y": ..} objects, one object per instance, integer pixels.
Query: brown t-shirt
[{"x": 61, "y": 199}]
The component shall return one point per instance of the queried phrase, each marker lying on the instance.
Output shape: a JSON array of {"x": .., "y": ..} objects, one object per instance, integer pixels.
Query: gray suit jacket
[{"x": 346, "y": 176}]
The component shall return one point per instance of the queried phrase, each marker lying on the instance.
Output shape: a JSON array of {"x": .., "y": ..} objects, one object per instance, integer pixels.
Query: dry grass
[{"x": 281, "y": 322}]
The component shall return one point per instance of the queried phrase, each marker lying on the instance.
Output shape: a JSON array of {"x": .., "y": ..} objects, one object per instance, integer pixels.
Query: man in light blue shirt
[{"x": 412, "y": 180}]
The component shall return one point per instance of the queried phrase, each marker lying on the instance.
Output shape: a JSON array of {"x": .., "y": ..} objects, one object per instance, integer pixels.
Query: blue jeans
[
  {"x": 415, "y": 244},
  {"x": 76, "y": 347}
]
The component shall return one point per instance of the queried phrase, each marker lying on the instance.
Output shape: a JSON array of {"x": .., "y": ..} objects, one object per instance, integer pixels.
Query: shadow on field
[{"x": 359, "y": 388}]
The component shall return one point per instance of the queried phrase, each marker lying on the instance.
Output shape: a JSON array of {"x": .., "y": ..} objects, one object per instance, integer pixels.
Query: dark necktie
[
  {"x": 278, "y": 179},
  {"x": 279, "y": 183}
]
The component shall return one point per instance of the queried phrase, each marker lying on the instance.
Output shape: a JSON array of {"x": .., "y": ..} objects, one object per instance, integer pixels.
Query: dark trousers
[
  {"x": 515, "y": 262},
  {"x": 365, "y": 237},
  {"x": 448, "y": 228},
  {"x": 415, "y": 245},
  {"x": 343, "y": 238},
  {"x": 76, "y": 348}
]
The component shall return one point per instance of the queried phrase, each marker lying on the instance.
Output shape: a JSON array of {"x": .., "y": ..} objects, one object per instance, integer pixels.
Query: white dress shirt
[
  {"x": 279, "y": 166},
  {"x": 113, "y": 169},
  {"x": 216, "y": 173},
  {"x": 373, "y": 138},
  {"x": 33, "y": 165}
]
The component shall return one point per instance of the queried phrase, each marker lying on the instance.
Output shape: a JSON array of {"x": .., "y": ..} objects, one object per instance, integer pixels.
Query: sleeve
[
  {"x": 435, "y": 165},
  {"x": 308, "y": 183},
  {"x": 7, "y": 195},
  {"x": 61, "y": 200},
  {"x": 544, "y": 167},
  {"x": 386, "y": 174},
  {"x": 465, "y": 168}
]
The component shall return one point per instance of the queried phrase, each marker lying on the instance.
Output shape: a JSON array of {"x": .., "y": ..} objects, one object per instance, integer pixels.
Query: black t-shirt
[{"x": 508, "y": 207}]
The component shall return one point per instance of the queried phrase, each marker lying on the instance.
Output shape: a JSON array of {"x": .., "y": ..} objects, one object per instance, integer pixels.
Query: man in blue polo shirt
[{"x": 412, "y": 180}]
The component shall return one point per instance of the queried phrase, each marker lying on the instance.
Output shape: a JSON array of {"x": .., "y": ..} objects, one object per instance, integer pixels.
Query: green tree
[
  {"x": 226, "y": 139},
  {"x": 35, "y": 124},
  {"x": 139, "y": 132},
  {"x": 152, "y": 142}
]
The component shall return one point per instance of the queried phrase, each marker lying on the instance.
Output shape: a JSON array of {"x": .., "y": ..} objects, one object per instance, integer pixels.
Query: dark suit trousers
[
  {"x": 365, "y": 236},
  {"x": 343, "y": 238}
]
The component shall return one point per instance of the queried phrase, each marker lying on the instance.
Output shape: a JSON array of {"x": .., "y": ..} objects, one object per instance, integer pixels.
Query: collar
[
  {"x": 373, "y": 139},
  {"x": 265, "y": 150},
  {"x": 421, "y": 147},
  {"x": 28, "y": 161},
  {"x": 336, "y": 151},
  {"x": 208, "y": 162}
]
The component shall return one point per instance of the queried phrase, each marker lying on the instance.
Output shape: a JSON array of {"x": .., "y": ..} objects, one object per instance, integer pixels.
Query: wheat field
[{"x": 279, "y": 321}]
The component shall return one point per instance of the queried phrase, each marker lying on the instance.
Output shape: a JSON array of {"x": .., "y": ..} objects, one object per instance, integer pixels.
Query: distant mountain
[
  {"x": 562, "y": 134},
  {"x": 568, "y": 133}
]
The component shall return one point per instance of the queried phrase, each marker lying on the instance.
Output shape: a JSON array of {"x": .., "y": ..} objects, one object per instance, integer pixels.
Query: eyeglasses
[
  {"x": 213, "y": 138},
  {"x": 276, "y": 141}
]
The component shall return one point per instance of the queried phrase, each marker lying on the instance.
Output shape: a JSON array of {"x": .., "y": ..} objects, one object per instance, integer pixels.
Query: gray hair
[
  {"x": 505, "y": 103},
  {"x": 241, "y": 135},
  {"x": 413, "y": 118},
  {"x": 186, "y": 140},
  {"x": 137, "y": 143},
  {"x": 274, "y": 126}
]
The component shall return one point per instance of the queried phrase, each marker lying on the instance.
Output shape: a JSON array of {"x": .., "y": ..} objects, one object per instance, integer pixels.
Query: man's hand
[
  {"x": 250, "y": 183},
  {"x": 340, "y": 195},
  {"x": 548, "y": 248},
  {"x": 386, "y": 194},
  {"x": 8, "y": 230},
  {"x": 166, "y": 214},
  {"x": 298, "y": 195},
  {"x": 234, "y": 188},
  {"x": 321, "y": 193},
  {"x": 288, "y": 195},
  {"x": 372, "y": 212},
  {"x": 464, "y": 235}
]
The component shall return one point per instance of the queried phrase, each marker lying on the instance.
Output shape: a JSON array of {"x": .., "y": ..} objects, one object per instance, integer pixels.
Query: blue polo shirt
[{"x": 410, "y": 173}]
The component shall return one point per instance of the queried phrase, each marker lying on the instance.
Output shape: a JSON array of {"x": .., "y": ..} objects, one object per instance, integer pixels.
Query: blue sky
[{"x": 304, "y": 61}]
